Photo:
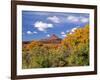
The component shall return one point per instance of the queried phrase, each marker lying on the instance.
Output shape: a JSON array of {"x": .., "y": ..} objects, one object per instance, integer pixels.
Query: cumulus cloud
[
  {"x": 80, "y": 19},
  {"x": 48, "y": 35},
  {"x": 62, "y": 33},
  {"x": 35, "y": 32},
  {"x": 54, "y": 19},
  {"x": 41, "y": 26},
  {"x": 73, "y": 29},
  {"x": 72, "y": 18},
  {"x": 84, "y": 20},
  {"x": 29, "y": 32},
  {"x": 69, "y": 18}
]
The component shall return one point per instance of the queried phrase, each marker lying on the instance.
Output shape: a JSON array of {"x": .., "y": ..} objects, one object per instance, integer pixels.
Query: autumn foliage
[{"x": 72, "y": 51}]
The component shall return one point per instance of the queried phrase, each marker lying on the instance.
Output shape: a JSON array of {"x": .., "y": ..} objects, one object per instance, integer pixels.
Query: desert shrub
[
  {"x": 79, "y": 57},
  {"x": 73, "y": 51}
]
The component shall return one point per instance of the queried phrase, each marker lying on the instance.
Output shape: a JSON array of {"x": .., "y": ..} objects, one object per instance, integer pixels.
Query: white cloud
[
  {"x": 48, "y": 35},
  {"x": 72, "y": 18},
  {"x": 62, "y": 33},
  {"x": 54, "y": 19},
  {"x": 29, "y": 32},
  {"x": 84, "y": 20},
  {"x": 73, "y": 29},
  {"x": 35, "y": 32},
  {"x": 41, "y": 26}
]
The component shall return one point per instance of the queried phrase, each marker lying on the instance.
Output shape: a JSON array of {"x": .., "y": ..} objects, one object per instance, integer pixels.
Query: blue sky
[{"x": 38, "y": 25}]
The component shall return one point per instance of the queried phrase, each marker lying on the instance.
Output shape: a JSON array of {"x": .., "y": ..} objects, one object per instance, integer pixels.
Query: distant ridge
[{"x": 52, "y": 39}]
